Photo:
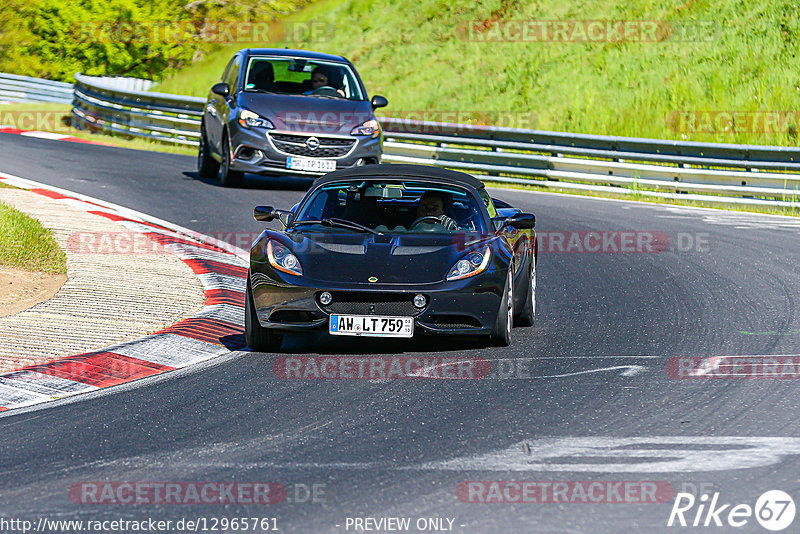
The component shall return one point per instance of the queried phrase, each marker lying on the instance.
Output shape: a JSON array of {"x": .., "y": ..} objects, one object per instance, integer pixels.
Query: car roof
[
  {"x": 289, "y": 52},
  {"x": 402, "y": 170}
]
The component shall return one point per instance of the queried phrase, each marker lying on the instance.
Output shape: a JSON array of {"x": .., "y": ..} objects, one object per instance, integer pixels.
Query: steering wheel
[
  {"x": 430, "y": 219},
  {"x": 326, "y": 90}
]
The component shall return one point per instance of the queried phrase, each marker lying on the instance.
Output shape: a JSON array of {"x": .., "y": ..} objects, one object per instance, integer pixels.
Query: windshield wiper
[{"x": 340, "y": 223}]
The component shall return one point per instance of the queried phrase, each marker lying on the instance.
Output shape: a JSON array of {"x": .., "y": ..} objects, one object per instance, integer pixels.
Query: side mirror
[
  {"x": 269, "y": 214},
  {"x": 265, "y": 213},
  {"x": 522, "y": 221},
  {"x": 379, "y": 101},
  {"x": 222, "y": 89}
]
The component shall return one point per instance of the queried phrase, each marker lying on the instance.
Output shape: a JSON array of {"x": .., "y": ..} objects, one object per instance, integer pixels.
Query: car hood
[
  {"x": 398, "y": 259},
  {"x": 308, "y": 114}
]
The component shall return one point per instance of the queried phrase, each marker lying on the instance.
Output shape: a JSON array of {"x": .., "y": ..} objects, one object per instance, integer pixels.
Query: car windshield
[
  {"x": 388, "y": 206},
  {"x": 313, "y": 78}
]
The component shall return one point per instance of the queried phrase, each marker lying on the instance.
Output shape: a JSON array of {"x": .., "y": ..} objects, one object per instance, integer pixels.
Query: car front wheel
[
  {"x": 258, "y": 338},
  {"x": 228, "y": 177},
  {"x": 207, "y": 167},
  {"x": 527, "y": 316},
  {"x": 501, "y": 335}
]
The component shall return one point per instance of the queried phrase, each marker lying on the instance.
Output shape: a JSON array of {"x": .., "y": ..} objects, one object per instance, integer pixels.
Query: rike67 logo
[{"x": 774, "y": 510}]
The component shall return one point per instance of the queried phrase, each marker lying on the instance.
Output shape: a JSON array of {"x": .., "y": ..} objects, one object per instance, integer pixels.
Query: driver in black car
[{"x": 431, "y": 204}]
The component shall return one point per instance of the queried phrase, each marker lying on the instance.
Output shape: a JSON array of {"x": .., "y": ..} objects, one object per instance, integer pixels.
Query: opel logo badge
[
  {"x": 312, "y": 143},
  {"x": 372, "y": 279}
]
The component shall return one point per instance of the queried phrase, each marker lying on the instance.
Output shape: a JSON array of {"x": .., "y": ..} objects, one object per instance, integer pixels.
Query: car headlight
[
  {"x": 248, "y": 119},
  {"x": 371, "y": 128},
  {"x": 283, "y": 260},
  {"x": 470, "y": 265}
]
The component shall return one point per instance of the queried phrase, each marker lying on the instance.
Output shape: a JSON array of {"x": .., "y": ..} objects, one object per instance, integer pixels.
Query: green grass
[
  {"x": 416, "y": 56},
  {"x": 197, "y": 79},
  {"x": 27, "y": 244}
]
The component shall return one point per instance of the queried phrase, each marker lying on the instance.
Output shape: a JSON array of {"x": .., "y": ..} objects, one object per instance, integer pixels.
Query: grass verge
[{"x": 27, "y": 244}]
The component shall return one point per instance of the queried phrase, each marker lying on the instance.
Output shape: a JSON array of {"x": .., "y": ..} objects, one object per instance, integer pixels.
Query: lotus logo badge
[
  {"x": 372, "y": 279},
  {"x": 312, "y": 143}
]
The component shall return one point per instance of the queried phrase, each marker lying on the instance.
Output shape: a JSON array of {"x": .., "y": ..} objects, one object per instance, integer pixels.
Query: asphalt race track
[{"x": 594, "y": 368}]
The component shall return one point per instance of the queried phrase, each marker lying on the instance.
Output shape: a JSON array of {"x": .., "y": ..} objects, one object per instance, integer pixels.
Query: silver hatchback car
[{"x": 280, "y": 111}]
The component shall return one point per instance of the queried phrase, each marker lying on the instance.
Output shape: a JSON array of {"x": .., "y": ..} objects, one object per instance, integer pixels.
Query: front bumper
[
  {"x": 255, "y": 153},
  {"x": 464, "y": 307}
]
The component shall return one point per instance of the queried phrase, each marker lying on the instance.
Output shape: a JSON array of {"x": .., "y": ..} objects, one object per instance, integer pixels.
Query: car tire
[
  {"x": 501, "y": 334},
  {"x": 527, "y": 316},
  {"x": 227, "y": 177},
  {"x": 207, "y": 166},
  {"x": 258, "y": 338}
]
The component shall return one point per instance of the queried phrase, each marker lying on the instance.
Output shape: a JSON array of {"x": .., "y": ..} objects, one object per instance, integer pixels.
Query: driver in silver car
[{"x": 321, "y": 77}]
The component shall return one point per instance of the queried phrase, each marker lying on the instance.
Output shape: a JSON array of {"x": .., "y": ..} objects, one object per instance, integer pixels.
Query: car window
[
  {"x": 227, "y": 69},
  {"x": 232, "y": 78},
  {"x": 397, "y": 207},
  {"x": 487, "y": 201},
  {"x": 296, "y": 76}
]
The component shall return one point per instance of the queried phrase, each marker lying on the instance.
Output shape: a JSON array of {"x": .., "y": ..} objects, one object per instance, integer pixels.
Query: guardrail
[
  {"x": 713, "y": 172},
  {"x": 26, "y": 89},
  {"x": 158, "y": 116},
  {"x": 753, "y": 174}
]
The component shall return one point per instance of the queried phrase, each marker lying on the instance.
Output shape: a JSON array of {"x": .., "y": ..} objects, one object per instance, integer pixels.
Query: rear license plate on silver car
[
  {"x": 371, "y": 325},
  {"x": 313, "y": 165}
]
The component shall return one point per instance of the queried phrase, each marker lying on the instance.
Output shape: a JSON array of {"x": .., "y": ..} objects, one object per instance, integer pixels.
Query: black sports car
[{"x": 392, "y": 251}]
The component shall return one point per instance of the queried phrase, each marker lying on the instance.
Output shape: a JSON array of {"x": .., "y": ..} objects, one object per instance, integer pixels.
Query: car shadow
[
  {"x": 255, "y": 181},
  {"x": 316, "y": 343}
]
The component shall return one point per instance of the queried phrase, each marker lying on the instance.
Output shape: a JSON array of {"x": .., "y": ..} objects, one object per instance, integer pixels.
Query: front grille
[
  {"x": 353, "y": 303},
  {"x": 329, "y": 147},
  {"x": 455, "y": 322},
  {"x": 292, "y": 316}
]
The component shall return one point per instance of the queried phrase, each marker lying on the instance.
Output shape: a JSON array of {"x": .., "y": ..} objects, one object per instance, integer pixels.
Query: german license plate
[
  {"x": 313, "y": 165},
  {"x": 371, "y": 325}
]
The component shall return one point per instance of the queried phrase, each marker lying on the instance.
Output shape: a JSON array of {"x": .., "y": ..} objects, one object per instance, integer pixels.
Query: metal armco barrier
[
  {"x": 158, "y": 116},
  {"x": 715, "y": 172},
  {"x": 26, "y": 89}
]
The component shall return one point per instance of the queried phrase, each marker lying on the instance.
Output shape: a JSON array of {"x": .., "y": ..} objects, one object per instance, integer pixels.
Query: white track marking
[
  {"x": 25, "y": 389},
  {"x": 223, "y": 281},
  {"x": 669, "y": 454},
  {"x": 223, "y": 312},
  {"x": 170, "y": 349},
  {"x": 44, "y": 135},
  {"x": 125, "y": 212},
  {"x": 597, "y": 454}
]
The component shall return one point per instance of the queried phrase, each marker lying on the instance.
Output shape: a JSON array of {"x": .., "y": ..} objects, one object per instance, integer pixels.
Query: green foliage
[
  {"x": 142, "y": 38},
  {"x": 727, "y": 55}
]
